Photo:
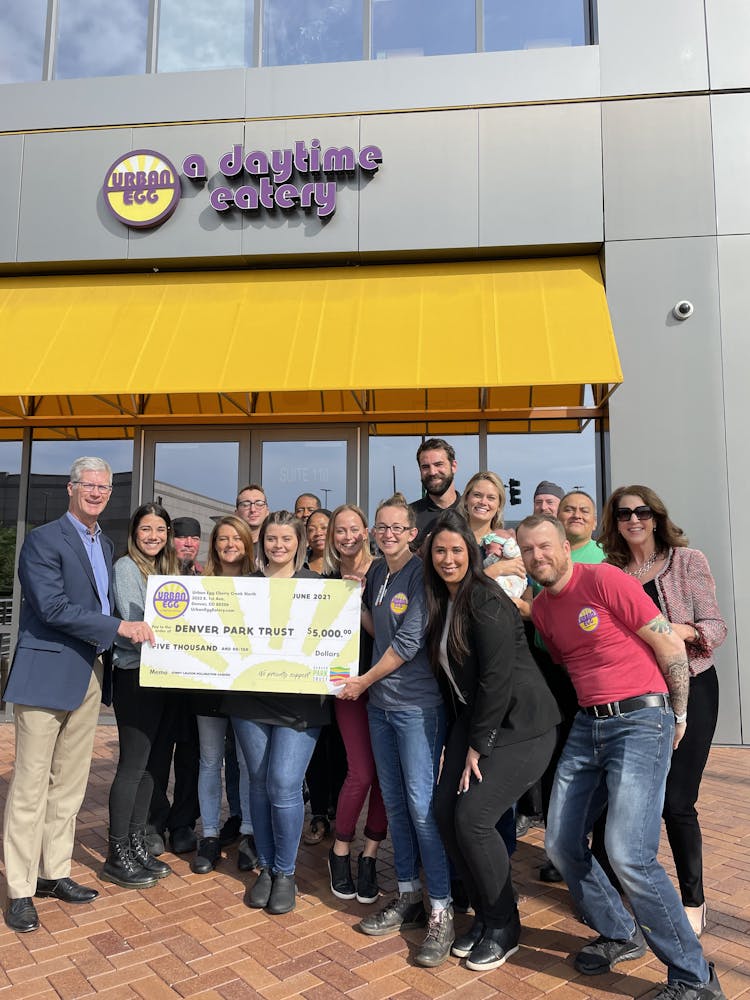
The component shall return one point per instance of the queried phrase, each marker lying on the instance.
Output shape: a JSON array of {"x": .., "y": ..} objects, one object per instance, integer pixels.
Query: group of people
[{"x": 466, "y": 697}]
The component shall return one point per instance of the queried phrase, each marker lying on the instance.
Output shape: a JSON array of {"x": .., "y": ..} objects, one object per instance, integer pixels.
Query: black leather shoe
[
  {"x": 65, "y": 889},
  {"x": 247, "y": 855},
  {"x": 207, "y": 856},
  {"x": 183, "y": 840},
  {"x": 548, "y": 873},
  {"x": 230, "y": 832},
  {"x": 21, "y": 916}
]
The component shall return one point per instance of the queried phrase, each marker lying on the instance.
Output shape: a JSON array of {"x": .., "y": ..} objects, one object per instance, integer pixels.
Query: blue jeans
[
  {"x": 212, "y": 730},
  {"x": 277, "y": 758},
  {"x": 622, "y": 762},
  {"x": 407, "y": 746}
]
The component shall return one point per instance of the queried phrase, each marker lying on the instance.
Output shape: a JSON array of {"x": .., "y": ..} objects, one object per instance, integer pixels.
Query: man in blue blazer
[{"x": 60, "y": 673}]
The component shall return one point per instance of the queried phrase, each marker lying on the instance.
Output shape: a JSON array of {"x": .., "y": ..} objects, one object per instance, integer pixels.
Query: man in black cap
[
  {"x": 547, "y": 497},
  {"x": 186, "y": 533},
  {"x": 177, "y": 738}
]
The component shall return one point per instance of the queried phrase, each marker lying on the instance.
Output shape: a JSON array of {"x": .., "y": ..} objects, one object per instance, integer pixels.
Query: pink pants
[{"x": 361, "y": 776}]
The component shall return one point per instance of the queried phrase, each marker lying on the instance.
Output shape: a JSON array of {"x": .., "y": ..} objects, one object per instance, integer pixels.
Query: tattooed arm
[{"x": 670, "y": 654}]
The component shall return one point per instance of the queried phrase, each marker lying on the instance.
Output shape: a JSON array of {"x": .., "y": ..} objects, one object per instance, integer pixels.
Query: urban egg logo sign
[{"x": 142, "y": 189}]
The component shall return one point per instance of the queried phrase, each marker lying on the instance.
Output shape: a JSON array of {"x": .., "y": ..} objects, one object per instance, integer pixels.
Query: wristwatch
[{"x": 679, "y": 719}]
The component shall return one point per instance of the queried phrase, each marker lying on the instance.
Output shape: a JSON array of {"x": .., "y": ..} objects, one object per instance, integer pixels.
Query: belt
[{"x": 611, "y": 708}]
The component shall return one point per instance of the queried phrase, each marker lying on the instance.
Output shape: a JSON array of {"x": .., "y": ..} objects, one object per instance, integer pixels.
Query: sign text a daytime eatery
[{"x": 142, "y": 188}]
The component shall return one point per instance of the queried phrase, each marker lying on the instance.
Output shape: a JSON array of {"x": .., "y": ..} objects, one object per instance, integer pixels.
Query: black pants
[
  {"x": 683, "y": 784},
  {"x": 177, "y": 737},
  {"x": 139, "y": 713},
  {"x": 467, "y": 821},
  {"x": 326, "y": 771}
]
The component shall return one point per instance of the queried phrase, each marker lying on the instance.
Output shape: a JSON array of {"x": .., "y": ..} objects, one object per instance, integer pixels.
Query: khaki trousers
[{"x": 53, "y": 758}]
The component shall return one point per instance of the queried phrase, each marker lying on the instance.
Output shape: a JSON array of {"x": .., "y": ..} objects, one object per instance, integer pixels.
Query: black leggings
[
  {"x": 467, "y": 821},
  {"x": 683, "y": 785},
  {"x": 139, "y": 713}
]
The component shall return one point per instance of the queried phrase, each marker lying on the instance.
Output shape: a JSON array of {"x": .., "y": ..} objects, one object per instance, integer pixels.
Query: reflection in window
[
  {"x": 50, "y": 473},
  {"x": 22, "y": 40},
  {"x": 294, "y": 467},
  {"x": 566, "y": 459},
  {"x": 196, "y": 35},
  {"x": 311, "y": 31},
  {"x": 96, "y": 39},
  {"x": 422, "y": 28},
  {"x": 533, "y": 24}
]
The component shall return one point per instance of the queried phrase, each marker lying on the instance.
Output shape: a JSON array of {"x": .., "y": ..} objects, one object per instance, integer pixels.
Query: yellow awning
[{"x": 405, "y": 345}]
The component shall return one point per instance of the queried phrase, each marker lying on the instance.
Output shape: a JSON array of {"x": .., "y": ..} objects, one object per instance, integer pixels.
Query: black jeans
[
  {"x": 177, "y": 737},
  {"x": 139, "y": 713},
  {"x": 326, "y": 771},
  {"x": 467, "y": 821},
  {"x": 683, "y": 784}
]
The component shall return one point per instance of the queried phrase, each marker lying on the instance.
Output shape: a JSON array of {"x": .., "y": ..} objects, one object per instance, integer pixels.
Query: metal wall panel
[
  {"x": 63, "y": 216},
  {"x": 734, "y": 268},
  {"x": 426, "y": 194},
  {"x": 540, "y": 175},
  {"x": 652, "y": 48},
  {"x": 667, "y": 425},
  {"x": 728, "y": 23},
  {"x": 730, "y": 115},
  {"x": 658, "y": 172},
  {"x": 11, "y": 157}
]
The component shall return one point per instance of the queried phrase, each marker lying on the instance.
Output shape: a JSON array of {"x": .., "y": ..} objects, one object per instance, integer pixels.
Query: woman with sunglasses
[
  {"x": 407, "y": 730},
  {"x": 639, "y": 537}
]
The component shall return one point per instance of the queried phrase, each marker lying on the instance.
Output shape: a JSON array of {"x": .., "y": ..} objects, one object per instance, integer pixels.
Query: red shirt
[{"x": 591, "y": 626}]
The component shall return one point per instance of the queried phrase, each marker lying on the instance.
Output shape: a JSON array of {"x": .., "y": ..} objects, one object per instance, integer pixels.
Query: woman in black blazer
[{"x": 502, "y": 738}]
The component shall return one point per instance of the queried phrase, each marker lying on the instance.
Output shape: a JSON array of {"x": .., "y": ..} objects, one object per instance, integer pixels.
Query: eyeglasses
[
  {"x": 396, "y": 530},
  {"x": 92, "y": 487},
  {"x": 249, "y": 504},
  {"x": 643, "y": 513}
]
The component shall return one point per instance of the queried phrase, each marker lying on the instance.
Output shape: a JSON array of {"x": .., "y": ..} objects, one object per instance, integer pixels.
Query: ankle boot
[
  {"x": 141, "y": 854},
  {"x": 121, "y": 868}
]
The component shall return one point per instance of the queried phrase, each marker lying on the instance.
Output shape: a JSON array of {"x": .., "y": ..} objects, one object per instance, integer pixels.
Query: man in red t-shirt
[{"x": 630, "y": 672}]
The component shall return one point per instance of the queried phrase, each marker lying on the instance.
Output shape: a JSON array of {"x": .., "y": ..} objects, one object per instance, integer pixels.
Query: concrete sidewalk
[{"x": 192, "y": 936}]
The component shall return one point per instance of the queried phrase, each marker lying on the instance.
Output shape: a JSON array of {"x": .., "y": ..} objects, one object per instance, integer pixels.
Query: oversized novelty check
[{"x": 251, "y": 634}]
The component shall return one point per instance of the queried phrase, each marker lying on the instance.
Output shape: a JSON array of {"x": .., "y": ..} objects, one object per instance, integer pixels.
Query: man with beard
[
  {"x": 437, "y": 466},
  {"x": 630, "y": 672},
  {"x": 187, "y": 540}
]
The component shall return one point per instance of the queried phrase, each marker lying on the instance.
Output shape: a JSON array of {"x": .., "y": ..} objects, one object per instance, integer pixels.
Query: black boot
[
  {"x": 122, "y": 869},
  {"x": 207, "y": 856},
  {"x": 140, "y": 853}
]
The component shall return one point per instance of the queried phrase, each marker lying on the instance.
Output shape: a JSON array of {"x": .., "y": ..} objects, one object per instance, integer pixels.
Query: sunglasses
[{"x": 643, "y": 513}]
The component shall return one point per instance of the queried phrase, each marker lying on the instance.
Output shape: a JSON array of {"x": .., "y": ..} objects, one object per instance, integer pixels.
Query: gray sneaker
[
  {"x": 436, "y": 947},
  {"x": 603, "y": 954},
  {"x": 694, "y": 991},
  {"x": 401, "y": 914}
]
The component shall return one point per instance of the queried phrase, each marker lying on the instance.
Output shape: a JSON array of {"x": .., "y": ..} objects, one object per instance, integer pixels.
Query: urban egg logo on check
[
  {"x": 588, "y": 619},
  {"x": 171, "y": 600}
]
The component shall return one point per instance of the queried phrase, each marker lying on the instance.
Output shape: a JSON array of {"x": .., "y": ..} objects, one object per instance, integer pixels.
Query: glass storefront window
[
  {"x": 290, "y": 468},
  {"x": 50, "y": 474},
  {"x": 394, "y": 458},
  {"x": 566, "y": 459},
  {"x": 533, "y": 24},
  {"x": 24, "y": 24},
  {"x": 422, "y": 28},
  {"x": 96, "y": 39},
  {"x": 311, "y": 31},
  {"x": 194, "y": 35},
  {"x": 197, "y": 479}
]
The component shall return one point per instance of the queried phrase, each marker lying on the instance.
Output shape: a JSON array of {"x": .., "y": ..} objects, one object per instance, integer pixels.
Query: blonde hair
[
  {"x": 398, "y": 500},
  {"x": 490, "y": 477},
  {"x": 331, "y": 557}
]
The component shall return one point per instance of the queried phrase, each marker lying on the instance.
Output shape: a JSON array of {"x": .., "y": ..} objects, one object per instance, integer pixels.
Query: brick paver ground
[{"x": 192, "y": 936}]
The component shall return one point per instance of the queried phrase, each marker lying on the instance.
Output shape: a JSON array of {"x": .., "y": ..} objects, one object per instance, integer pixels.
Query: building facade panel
[
  {"x": 11, "y": 159},
  {"x": 648, "y": 192},
  {"x": 652, "y": 48},
  {"x": 730, "y": 116},
  {"x": 728, "y": 30},
  {"x": 548, "y": 156}
]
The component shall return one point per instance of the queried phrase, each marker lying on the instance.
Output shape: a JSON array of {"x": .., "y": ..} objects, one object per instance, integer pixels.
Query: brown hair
[
  {"x": 213, "y": 564},
  {"x": 165, "y": 563},
  {"x": 283, "y": 518},
  {"x": 667, "y": 534}
]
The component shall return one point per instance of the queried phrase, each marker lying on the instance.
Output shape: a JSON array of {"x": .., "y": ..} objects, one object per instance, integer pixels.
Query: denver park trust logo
[{"x": 142, "y": 188}]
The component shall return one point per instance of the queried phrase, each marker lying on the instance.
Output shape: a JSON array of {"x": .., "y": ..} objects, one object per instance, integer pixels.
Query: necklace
[
  {"x": 381, "y": 593},
  {"x": 641, "y": 570}
]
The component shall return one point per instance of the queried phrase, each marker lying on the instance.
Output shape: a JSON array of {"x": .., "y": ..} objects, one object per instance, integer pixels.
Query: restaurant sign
[{"x": 142, "y": 188}]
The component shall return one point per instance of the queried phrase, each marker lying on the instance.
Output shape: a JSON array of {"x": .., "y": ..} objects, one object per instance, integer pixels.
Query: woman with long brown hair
[{"x": 639, "y": 536}]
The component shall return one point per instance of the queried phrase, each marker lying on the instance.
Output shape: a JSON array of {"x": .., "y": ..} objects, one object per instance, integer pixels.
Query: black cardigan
[{"x": 506, "y": 696}]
